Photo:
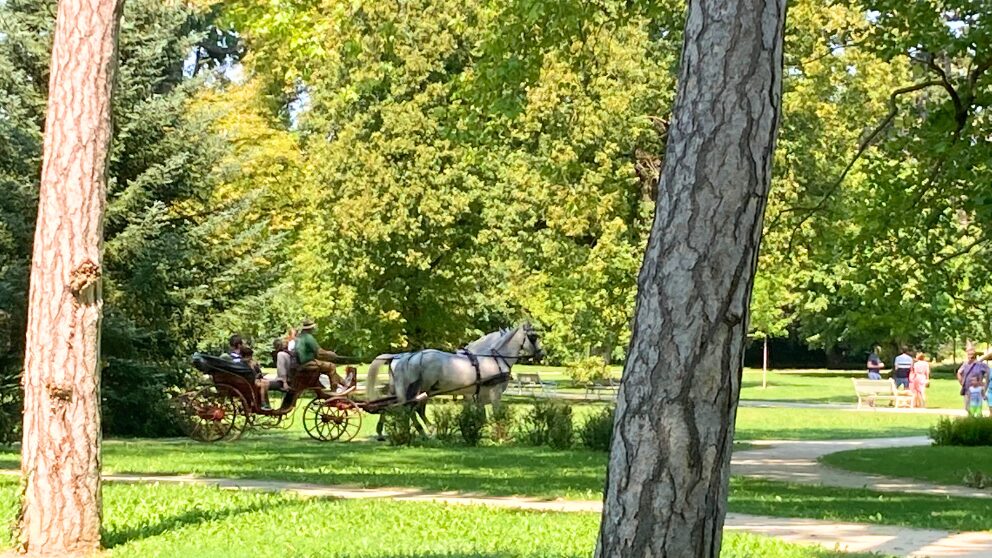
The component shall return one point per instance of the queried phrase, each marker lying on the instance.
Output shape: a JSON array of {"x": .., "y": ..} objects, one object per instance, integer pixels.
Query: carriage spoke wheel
[
  {"x": 211, "y": 414},
  {"x": 332, "y": 419}
]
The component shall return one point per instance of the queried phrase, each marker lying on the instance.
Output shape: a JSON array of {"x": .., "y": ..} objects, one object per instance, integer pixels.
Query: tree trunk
[
  {"x": 666, "y": 490},
  {"x": 60, "y": 513}
]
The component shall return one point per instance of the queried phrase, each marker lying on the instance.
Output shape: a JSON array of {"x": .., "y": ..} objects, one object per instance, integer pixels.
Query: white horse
[{"x": 433, "y": 372}]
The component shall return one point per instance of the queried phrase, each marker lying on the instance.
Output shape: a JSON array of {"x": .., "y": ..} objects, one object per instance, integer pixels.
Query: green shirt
[{"x": 306, "y": 347}]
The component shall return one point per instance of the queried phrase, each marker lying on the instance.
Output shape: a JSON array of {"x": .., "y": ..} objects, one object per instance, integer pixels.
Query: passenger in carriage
[
  {"x": 234, "y": 346},
  {"x": 247, "y": 358},
  {"x": 283, "y": 361},
  {"x": 312, "y": 357}
]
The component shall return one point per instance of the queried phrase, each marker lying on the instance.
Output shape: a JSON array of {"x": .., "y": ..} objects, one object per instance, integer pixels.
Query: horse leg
[{"x": 379, "y": 426}]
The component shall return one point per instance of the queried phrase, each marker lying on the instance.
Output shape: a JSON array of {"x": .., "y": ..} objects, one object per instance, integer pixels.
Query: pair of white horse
[{"x": 481, "y": 369}]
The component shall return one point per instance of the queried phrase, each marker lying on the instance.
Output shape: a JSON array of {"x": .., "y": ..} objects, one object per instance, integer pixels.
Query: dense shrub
[
  {"x": 502, "y": 424},
  {"x": 133, "y": 399},
  {"x": 398, "y": 426},
  {"x": 597, "y": 432},
  {"x": 549, "y": 423},
  {"x": 472, "y": 422},
  {"x": 968, "y": 431},
  {"x": 445, "y": 419}
]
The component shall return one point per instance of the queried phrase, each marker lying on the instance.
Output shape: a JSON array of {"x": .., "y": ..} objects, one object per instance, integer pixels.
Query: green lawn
[
  {"x": 506, "y": 470},
  {"x": 202, "y": 522},
  {"x": 762, "y": 497},
  {"x": 815, "y": 424},
  {"x": 936, "y": 464},
  {"x": 832, "y": 386}
]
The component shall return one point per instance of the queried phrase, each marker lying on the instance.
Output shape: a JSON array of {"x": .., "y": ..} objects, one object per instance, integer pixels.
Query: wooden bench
[
  {"x": 872, "y": 391},
  {"x": 609, "y": 386},
  {"x": 533, "y": 384}
]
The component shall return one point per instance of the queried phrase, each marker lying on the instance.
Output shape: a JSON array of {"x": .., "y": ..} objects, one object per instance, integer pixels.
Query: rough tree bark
[
  {"x": 60, "y": 510},
  {"x": 666, "y": 491}
]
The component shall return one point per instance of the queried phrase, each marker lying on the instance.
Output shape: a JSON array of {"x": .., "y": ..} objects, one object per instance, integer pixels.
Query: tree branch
[{"x": 865, "y": 144}]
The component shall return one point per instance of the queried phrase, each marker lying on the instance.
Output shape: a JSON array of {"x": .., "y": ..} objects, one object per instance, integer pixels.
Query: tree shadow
[{"x": 117, "y": 536}]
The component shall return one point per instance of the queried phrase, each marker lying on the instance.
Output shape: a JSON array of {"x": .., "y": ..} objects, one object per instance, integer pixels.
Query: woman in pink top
[{"x": 919, "y": 377}]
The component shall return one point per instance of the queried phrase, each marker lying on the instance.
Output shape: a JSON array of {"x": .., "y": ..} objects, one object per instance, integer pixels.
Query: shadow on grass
[
  {"x": 114, "y": 537},
  {"x": 498, "y": 471}
]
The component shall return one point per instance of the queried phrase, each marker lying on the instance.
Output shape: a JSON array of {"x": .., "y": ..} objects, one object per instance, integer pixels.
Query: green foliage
[
  {"x": 472, "y": 423},
  {"x": 597, "y": 431},
  {"x": 549, "y": 423},
  {"x": 502, "y": 424},
  {"x": 399, "y": 425},
  {"x": 444, "y": 416},
  {"x": 441, "y": 144},
  {"x": 587, "y": 370},
  {"x": 964, "y": 431}
]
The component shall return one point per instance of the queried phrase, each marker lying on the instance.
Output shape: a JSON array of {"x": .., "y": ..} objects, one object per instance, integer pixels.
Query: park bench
[
  {"x": 608, "y": 386},
  {"x": 872, "y": 391},
  {"x": 533, "y": 384}
]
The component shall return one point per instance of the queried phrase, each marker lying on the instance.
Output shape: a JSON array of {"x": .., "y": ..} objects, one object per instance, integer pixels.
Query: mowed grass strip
[
  {"x": 777, "y": 499},
  {"x": 164, "y": 521},
  {"x": 934, "y": 464},
  {"x": 576, "y": 474},
  {"x": 834, "y": 386}
]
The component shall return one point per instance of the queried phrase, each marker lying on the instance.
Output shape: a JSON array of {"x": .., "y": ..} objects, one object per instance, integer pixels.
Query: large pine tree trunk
[
  {"x": 61, "y": 447},
  {"x": 669, "y": 465}
]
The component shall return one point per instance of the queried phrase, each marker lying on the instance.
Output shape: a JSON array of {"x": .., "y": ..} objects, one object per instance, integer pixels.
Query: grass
[
  {"x": 831, "y": 386},
  {"x": 935, "y": 464},
  {"x": 499, "y": 471},
  {"x": 203, "y": 522},
  {"x": 777, "y": 499}
]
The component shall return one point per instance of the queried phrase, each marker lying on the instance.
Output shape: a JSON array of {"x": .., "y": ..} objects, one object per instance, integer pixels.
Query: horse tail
[{"x": 371, "y": 389}]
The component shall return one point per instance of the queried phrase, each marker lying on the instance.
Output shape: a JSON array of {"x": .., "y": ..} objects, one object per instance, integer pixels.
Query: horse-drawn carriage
[{"x": 230, "y": 403}]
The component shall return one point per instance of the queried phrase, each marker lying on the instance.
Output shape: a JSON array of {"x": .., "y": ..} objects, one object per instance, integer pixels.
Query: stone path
[{"x": 796, "y": 461}]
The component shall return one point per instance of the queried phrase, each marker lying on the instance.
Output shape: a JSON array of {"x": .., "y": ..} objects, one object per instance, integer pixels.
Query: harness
[{"x": 497, "y": 379}]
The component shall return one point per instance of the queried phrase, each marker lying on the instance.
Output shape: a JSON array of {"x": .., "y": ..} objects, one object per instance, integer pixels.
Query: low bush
[
  {"x": 472, "y": 422},
  {"x": 597, "y": 432},
  {"x": 502, "y": 424},
  {"x": 977, "y": 479},
  {"x": 549, "y": 423},
  {"x": 399, "y": 425},
  {"x": 968, "y": 431},
  {"x": 445, "y": 419}
]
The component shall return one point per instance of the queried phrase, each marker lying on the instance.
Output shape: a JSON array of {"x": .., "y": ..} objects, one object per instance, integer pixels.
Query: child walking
[{"x": 976, "y": 397}]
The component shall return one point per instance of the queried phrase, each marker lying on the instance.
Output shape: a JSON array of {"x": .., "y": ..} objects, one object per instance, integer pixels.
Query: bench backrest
[
  {"x": 529, "y": 378},
  {"x": 874, "y": 386}
]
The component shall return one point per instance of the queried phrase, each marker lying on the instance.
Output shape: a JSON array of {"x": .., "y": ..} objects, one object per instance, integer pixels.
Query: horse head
[{"x": 532, "y": 347}]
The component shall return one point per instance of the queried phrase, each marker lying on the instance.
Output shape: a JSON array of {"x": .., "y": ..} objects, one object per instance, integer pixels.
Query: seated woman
[
  {"x": 247, "y": 357},
  {"x": 283, "y": 361}
]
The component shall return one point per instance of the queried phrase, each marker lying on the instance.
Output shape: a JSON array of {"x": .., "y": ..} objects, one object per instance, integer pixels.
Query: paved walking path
[{"x": 797, "y": 461}]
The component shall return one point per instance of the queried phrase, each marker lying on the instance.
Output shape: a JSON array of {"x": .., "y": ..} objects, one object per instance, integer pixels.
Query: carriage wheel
[
  {"x": 332, "y": 419},
  {"x": 212, "y": 414}
]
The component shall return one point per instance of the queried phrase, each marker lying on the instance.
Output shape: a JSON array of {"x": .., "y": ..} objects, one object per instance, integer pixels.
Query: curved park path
[
  {"x": 798, "y": 462},
  {"x": 787, "y": 461}
]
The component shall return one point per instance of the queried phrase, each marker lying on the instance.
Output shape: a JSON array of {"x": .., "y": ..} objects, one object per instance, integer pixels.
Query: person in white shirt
[{"x": 901, "y": 368}]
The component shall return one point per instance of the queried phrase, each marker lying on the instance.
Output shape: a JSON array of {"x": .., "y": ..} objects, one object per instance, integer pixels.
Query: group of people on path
[
  {"x": 913, "y": 373},
  {"x": 909, "y": 372},
  {"x": 298, "y": 350}
]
